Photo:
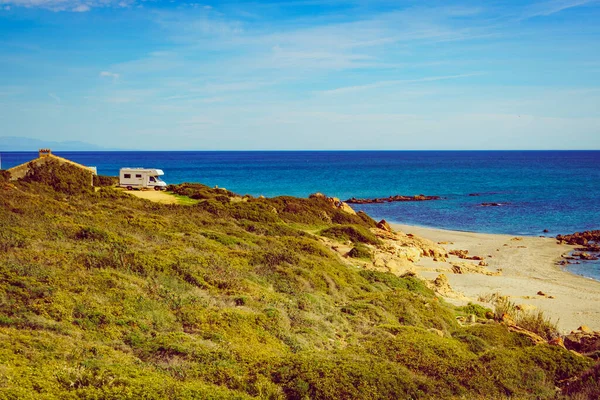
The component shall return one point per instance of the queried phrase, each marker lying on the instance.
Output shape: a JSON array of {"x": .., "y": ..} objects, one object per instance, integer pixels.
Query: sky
[{"x": 302, "y": 74}]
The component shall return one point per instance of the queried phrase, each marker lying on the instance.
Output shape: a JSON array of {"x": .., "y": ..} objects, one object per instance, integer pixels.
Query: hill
[
  {"x": 13, "y": 143},
  {"x": 103, "y": 295}
]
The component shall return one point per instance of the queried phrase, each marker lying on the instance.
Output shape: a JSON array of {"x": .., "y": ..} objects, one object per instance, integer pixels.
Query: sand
[{"x": 528, "y": 264}]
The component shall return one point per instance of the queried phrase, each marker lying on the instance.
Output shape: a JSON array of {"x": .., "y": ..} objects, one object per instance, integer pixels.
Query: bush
[
  {"x": 63, "y": 178},
  {"x": 360, "y": 251},
  {"x": 534, "y": 322},
  {"x": 474, "y": 309},
  {"x": 4, "y": 176},
  {"x": 103, "y": 181},
  {"x": 353, "y": 233}
]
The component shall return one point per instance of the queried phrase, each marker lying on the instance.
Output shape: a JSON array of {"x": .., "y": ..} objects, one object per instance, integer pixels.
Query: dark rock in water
[
  {"x": 474, "y": 194},
  {"x": 580, "y": 238},
  {"x": 493, "y": 204},
  {"x": 585, "y": 256},
  {"x": 419, "y": 197},
  {"x": 545, "y": 231}
]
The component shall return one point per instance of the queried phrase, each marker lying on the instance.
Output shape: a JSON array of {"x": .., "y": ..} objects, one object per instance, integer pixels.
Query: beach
[{"x": 527, "y": 265}]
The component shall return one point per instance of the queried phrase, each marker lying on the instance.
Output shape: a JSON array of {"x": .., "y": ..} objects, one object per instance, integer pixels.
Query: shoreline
[{"x": 528, "y": 265}]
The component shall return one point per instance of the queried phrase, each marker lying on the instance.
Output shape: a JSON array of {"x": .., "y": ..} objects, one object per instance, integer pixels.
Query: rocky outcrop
[
  {"x": 383, "y": 225},
  {"x": 580, "y": 238},
  {"x": 398, "y": 242},
  {"x": 466, "y": 268},
  {"x": 390, "y": 199},
  {"x": 335, "y": 203},
  {"x": 464, "y": 254},
  {"x": 584, "y": 341}
]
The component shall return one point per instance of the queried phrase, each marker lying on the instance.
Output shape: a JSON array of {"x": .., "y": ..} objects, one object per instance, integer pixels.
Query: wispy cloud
[
  {"x": 55, "y": 97},
  {"x": 546, "y": 8},
  {"x": 108, "y": 74},
  {"x": 67, "y": 5},
  {"x": 381, "y": 84}
]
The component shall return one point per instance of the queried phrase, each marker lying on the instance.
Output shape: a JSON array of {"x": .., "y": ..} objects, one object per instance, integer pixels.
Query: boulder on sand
[{"x": 383, "y": 224}]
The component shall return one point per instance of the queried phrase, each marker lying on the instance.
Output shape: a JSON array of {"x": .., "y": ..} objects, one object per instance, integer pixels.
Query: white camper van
[{"x": 141, "y": 178}]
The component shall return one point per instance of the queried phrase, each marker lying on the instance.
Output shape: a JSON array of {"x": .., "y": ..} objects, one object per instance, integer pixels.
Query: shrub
[
  {"x": 4, "y": 176},
  {"x": 534, "y": 321},
  {"x": 63, "y": 178},
  {"x": 103, "y": 180},
  {"x": 586, "y": 386},
  {"x": 360, "y": 251},
  {"x": 474, "y": 309},
  {"x": 354, "y": 233}
]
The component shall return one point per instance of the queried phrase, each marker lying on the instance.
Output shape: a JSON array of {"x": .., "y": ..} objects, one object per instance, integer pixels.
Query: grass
[
  {"x": 184, "y": 200},
  {"x": 103, "y": 295},
  {"x": 533, "y": 321}
]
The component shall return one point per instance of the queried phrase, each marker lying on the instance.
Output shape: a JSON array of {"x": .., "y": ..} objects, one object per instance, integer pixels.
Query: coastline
[{"x": 528, "y": 266}]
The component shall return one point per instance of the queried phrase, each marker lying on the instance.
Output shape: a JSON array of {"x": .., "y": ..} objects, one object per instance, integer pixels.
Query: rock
[
  {"x": 460, "y": 253},
  {"x": 585, "y": 329},
  {"x": 493, "y": 204},
  {"x": 540, "y": 293},
  {"x": 590, "y": 240},
  {"x": 457, "y": 269},
  {"x": 347, "y": 209},
  {"x": 441, "y": 281},
  {"x": 383, "y": 224},
  {"x": 545, "y": 231},
  {"x": 483, "y": 264},
  {"x": 318, "y": 196},
  {"x": 558, "y": 341},
  {"x": 583, "y": 342},
  {"x": 419, "y": 197}
]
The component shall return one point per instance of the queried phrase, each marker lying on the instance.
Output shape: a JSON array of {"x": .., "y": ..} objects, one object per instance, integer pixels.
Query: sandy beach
[{"x": 527, "y": 265}]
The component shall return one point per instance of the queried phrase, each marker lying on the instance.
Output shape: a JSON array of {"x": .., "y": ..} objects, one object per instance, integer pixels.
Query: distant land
[{"x": 13, "y": 143}]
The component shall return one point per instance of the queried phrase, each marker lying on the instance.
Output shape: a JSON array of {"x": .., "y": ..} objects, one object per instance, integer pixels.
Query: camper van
[{"x": 141, "y": 178}]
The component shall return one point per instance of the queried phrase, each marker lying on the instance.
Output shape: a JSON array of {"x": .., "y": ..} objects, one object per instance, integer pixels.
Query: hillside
[{"x": 106, "y": 296}]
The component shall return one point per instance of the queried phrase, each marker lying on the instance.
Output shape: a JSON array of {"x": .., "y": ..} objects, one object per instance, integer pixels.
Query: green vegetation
[
  {"x": 103, "y": 180},
  {"x": 360, "y": 251},
  {"x": 533, "y": 321},
  {"x": 62, "y": 178},
  {"x": 107, "y": 296},
  {"x": 355, "y": 234},
  {"x": 4, "y": 176}
]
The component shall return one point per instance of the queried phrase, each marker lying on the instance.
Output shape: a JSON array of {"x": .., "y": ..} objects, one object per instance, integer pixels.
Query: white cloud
[
  {"x": 347, "y": 89},
  {"x": 108, "y": 74},
  {"x": 55, "y": 97},
  {"x": 67, "y": 5},
  {"x": 544, "y": 9},
  {"x": 81, "y": 8}
]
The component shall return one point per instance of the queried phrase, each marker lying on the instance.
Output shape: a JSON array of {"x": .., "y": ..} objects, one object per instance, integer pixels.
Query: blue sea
[{"x": 558, "y": 191}]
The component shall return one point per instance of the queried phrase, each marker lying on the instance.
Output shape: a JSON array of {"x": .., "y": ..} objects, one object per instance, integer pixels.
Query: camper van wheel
[
  {"x": 129, "y": 188},
  {"x": 157, "y": 188}
]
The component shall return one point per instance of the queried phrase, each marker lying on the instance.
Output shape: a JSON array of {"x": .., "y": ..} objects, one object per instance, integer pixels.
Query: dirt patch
[{"x": 153, "y": 195}]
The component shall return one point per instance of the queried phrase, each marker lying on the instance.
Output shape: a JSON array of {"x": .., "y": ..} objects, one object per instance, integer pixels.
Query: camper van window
[
  {"x": 126, "y": 176},
  {"x": 152, "y": 179},
  {"x": 138, "y": 175}
]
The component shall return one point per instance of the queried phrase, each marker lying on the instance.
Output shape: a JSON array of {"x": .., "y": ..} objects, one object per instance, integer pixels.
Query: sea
[{"x": 540, "y": 193}]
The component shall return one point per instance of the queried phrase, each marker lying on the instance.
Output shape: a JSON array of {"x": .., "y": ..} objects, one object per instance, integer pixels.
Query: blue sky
[{"x": 162, "y": 75}]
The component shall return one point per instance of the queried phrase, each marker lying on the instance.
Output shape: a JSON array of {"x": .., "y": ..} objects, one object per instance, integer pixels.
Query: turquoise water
[{"x": 554, "y": 190}]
